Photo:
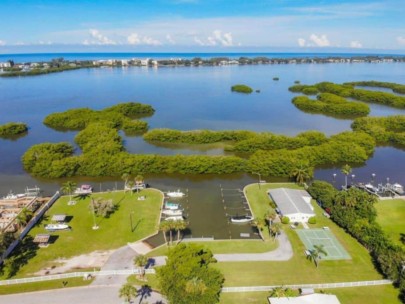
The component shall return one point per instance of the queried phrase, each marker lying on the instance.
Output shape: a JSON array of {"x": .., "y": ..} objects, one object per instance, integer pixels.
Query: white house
[{"x": 294, "y": 204}]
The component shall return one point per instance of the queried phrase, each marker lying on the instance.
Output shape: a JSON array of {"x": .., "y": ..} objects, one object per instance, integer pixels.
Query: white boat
[
  {"x": 84, "y": 189},
  {"x": 172, "y": 212},
  {"x": 138, "y": 186},
  {"x": 56, "y": 227},
  {"x": 371, "y": 188},
  {"x": 174, "y": 218},
  {"x": 241, "y": 219},
  {"x": 177, "y": 193},
  {"x": 171, "y": 206},
  {"x": 12, "y": 196},
  {"x": 398, "y": 188}
]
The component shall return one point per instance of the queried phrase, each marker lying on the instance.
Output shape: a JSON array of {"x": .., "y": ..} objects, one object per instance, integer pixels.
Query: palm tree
[
  {"x": 346, "y": 170},
  {"x": 141, "y": 261},
  {"x": 259, "y": 223},
  {"x": 128, "y": 292},
  {"x": 68, "y": 188},
  {"x": 315, "y": 254},
  {"x": 125, "y": 177},
  {"x": 195, "y": 286},
  {"x": 270, "y": 216},
  {"x": 164, "y": 227},
  {"x": 23, "y": 217},
  {"x": 180, "y": 226},
  {"x": 275, "y": 230},
  {"x": 171, "y": 224},
  {"x": 302, "y": 172},
  {"x": 138, "y": 181}
]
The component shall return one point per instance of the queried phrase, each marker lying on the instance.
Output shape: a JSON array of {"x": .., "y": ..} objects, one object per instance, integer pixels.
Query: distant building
[
  {"x": 294, "y": 204},
  {"x": 316, "y": 298},
  {"x": 5, "y": 65}
]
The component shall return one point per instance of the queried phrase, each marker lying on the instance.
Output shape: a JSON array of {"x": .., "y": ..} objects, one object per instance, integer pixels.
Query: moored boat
[
  {"x": 174, "y": 218},
  {"x": 172, "y": 212},
  {"x": 177, "y": 193},
  {"x": 398, "y": 188},
  {"x": 56, "y": 227},
  {"x": 171, "y": 206},
  {"x": 84, "y": 189},
  {"x": 241, "y": 219}
]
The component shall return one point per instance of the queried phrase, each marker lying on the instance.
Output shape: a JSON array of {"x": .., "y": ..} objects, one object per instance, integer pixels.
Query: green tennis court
[{"x": 325, "y": 237}]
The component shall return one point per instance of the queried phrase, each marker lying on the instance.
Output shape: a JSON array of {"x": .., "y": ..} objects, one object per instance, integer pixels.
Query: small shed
[
  {"x": 42, "y": 240},
  {"x": 59, "y": 218}
]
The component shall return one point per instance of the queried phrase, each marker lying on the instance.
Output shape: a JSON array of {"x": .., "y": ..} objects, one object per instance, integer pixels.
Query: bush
[
  {"x": 312, "y": 220},
  {"x": 285, "y": 220},
  {"x": 241, "y": 88},
  {"x": 12, "y": 128}
]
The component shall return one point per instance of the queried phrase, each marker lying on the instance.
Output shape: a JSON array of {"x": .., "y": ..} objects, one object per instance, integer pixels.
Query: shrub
[
  {"x": 285, "y": 220},
  {"x": 312, "y": 220},
  {"x": 241, "y": 88},
  {"x": 12, "y": 128}
]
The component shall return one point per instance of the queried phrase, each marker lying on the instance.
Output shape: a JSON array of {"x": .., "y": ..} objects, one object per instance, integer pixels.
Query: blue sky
[{"x": 199, "y": 25}]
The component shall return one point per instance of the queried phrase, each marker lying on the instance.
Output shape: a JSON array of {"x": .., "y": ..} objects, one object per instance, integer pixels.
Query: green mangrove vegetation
[
  {"x": 385, "y": 130},
  {"x": 241, "y": 88},
  {"x": 37, "y": 71},
  {"x": 331, "y": 104},
  {"x": 348, "y": 91},
  {"x": 120, "y": 116},
  {"x": 395, "y": 87},
  {"x": 13, "y": 129}
]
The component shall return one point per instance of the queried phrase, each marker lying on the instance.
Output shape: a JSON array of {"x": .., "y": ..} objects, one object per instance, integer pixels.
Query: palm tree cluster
[
  {"x": 315, "y": 254},
  {"x": 169, "y": 226},
  {"x": 68, "y": 188}
]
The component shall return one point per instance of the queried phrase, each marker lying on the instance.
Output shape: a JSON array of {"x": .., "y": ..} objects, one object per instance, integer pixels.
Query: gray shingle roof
[{"x": 290, "y": 201}]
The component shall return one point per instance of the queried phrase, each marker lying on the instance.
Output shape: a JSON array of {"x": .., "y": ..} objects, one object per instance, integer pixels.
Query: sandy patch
[{"x": 94, "y": 259}]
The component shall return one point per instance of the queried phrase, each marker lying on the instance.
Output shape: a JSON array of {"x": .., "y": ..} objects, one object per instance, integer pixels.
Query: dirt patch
[{"x": 94, "y": 259}]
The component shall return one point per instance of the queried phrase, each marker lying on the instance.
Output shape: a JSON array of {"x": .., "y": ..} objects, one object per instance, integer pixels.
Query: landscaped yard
[
  {"x": 114, "y": 231},
  {"x": 298, "y": 269},
  {"x": 231, "y": 246},
  {"x": 391, "y": 215}
]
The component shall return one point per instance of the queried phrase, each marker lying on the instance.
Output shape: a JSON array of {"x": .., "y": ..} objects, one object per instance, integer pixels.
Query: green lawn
[
  {"x": 391, "y": 215},
  {"x": 113, "y": 232},
  {"x": 56, "y": 284},
  {"x": 352, "y": 295},
  {"x": 298, "y": 269},
  {"x": 225, "y": 246}
]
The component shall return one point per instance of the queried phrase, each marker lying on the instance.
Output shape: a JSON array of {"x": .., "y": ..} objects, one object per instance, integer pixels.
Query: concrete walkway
[{"x": 284, "y": 252}]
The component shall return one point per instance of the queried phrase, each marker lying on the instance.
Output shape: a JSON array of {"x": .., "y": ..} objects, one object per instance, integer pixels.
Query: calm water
[{"x": 190, "y": 98}]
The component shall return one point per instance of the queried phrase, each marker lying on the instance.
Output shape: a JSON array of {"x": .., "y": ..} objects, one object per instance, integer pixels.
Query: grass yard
[
  {"x": 114, "y": 231},
  {"x": 391, "y": 215},
  {"x": 298, "y": 269},
  {"x": 245, "y": 297},
  {"x": 231, "y": 246},
  {"x": 46, "y": 285},
  {"x": 369, "y": 294}
]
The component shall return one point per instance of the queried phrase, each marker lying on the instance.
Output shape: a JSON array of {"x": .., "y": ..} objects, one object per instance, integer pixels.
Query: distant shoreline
[{"x": 10, "y": 68}]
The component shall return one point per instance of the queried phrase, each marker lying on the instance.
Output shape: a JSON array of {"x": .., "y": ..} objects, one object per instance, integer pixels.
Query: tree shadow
[
  {"x": 145, "y": 292},
  {"x": 136, "y": 225},
  {"x": 25, "y": 251}
]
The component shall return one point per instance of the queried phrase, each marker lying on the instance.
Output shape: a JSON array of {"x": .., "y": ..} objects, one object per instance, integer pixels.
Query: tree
[
  {"x": 275, "y": 230},
  {"x": 270, "y": 216},
  {"x": 180, "y": 226},
  {"x": 6, "y": 238},
  {"x": 23, "y": 217},
  {"x": 346, "y": 170},
  {"x": 302, "y": 172},
  {"x": 315, "y": 254},
  {"x": 171, "y": 225},
  {"x": 259, "y": 223},
  {"x": 103, "y": 207},
  {"x": 164, "y": 227},
  {"x": 138, "y": 181},
  {"x": 125, "y": 177},
  {"x": 68, "y": 188},
  {"x": 128, "y": 292},
  {"x": 141, "y": 261},
  {"x": 187, "y": 276}
]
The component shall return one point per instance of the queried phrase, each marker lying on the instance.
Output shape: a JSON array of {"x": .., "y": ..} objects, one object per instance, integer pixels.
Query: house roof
[
  {"x": 315, "y": 298},
  {"x": 291, "y": 201}
]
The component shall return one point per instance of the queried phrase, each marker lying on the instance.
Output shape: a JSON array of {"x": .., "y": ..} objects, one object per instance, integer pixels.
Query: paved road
[
  {"x": 76, "y": 295},
  {"x": 122, "y": 258}
]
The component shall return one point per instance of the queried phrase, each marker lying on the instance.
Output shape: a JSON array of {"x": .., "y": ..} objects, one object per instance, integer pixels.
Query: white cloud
[
  {"x": 216, "y": 38},
  {"x": 320, "y": 41},
  {"x": 98, "y": 38},
  {"x": 136, "y": 39},
  {"x": 2, "y": 43},
  {"x": 401, "y": 40},
  {"x": 356, "y": 45},
  {"x": 301, "y": 42},
  {"x": 170, "y": 39}
]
